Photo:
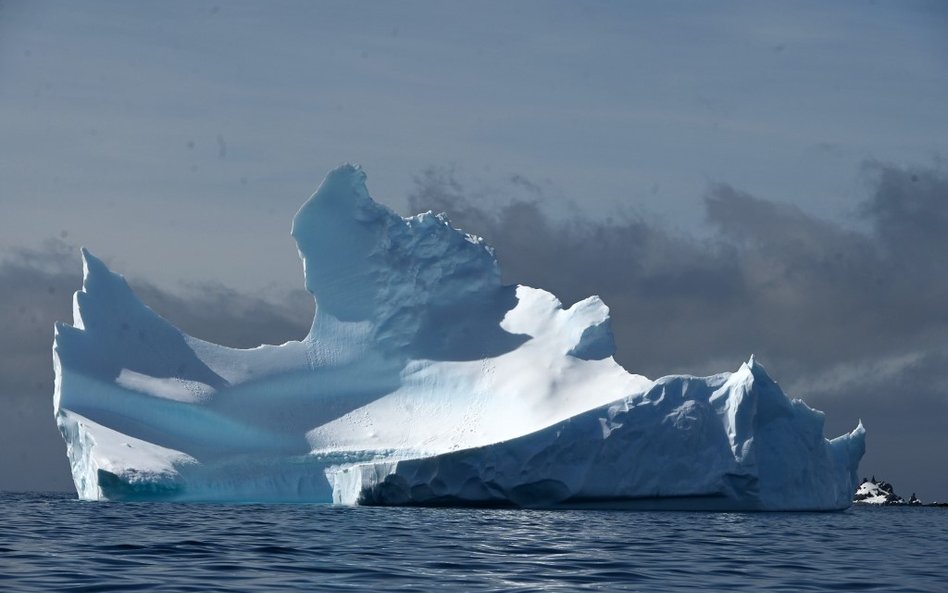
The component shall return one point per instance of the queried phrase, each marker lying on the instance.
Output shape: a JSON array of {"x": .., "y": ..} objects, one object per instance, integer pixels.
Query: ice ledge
[
  {"x": 102, "y": 459},
  {"x": 689, "y": 444}
]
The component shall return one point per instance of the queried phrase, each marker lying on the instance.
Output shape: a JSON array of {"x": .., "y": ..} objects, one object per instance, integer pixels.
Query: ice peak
[
  {"x": 753, "y": 367},
  {"x": 755, "y": 372},
  {"x": 92, "y": 268},
  {"x": 404, "y": 277}
]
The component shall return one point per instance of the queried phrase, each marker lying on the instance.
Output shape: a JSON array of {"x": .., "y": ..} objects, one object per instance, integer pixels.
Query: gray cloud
[
  {"x": 854, "y": 321},
  {"x": 36, "y": 288},
  {"x": 33, "y": 291}
]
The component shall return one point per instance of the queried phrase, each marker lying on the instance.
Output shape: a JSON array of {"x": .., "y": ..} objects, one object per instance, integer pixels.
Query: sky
[{"x": 732, "y": 178}]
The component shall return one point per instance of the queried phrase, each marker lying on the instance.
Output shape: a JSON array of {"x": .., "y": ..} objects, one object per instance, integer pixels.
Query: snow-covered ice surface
[{"x": 423, "y": 380}]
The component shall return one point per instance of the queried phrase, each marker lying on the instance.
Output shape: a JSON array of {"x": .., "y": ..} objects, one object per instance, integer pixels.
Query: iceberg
[{"x": 424, "y": 380}]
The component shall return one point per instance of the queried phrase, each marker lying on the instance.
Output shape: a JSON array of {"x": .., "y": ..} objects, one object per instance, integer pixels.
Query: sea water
[{"x": 52, "y": 542}]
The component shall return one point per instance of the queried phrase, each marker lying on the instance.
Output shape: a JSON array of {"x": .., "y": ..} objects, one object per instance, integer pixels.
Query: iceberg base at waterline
[{"x": 423, "y": 381}]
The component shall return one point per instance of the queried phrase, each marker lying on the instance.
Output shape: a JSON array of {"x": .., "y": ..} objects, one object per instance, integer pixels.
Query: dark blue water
[{"x": 56, "y": 543}]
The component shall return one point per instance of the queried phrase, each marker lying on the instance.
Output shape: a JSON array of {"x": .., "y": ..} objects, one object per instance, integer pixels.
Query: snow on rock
[
  {"x": 423, "y": 380},
  {"x": 872, "y": 491}
]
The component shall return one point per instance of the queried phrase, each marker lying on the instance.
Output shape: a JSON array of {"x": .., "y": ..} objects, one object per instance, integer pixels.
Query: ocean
[{"x": 53, "y": 542}]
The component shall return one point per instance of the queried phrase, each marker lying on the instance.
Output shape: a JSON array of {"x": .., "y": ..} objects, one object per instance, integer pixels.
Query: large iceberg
[{"x": 423, "y": 381}]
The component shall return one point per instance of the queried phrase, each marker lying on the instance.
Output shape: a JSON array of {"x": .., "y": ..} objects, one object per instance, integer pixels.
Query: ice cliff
[{"x": 423, "y": 380}]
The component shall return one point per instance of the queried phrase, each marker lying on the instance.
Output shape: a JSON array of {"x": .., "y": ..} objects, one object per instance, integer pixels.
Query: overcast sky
[{"x": 732, "y": 178}]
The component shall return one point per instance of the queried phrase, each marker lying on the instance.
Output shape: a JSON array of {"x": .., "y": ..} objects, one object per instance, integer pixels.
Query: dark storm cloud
[
  {"x": 771, "y": 276},
  {"x": 34, "y": 288},
  {"x": 640, "y": 270},
  {"x": 910, "y": 212},
  {"x": 224, "y": 316},
  {"x": 855, "y": 321},
  {"x": 35, "y": 291}
]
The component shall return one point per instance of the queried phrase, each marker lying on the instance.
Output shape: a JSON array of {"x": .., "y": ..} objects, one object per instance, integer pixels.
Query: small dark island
[{"x": 880, "y": 492}]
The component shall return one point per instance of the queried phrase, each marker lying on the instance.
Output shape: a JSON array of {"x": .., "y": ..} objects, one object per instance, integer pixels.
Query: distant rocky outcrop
[{"x": 873, "y": 491}]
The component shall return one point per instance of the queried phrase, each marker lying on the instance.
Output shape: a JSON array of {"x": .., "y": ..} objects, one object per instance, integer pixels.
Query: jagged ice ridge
[{"x": 423, "y": 380}]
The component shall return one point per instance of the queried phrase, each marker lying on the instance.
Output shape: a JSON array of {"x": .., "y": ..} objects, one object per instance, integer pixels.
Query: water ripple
[{"x": 51, "y": 542}]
